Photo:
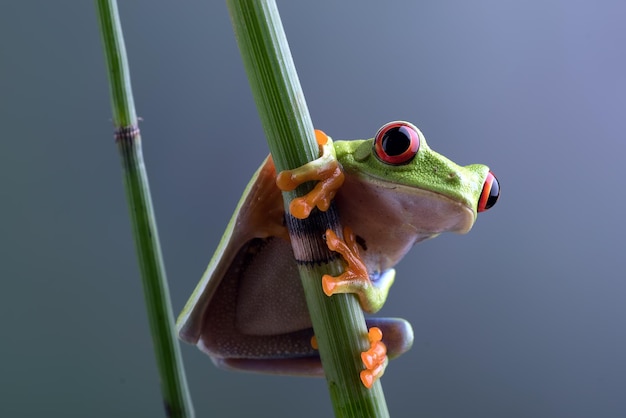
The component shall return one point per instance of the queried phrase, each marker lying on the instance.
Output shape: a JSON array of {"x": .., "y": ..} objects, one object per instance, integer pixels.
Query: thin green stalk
[
  {"x": 177, "y": 401},
  {"x": 338, "y": 321}
]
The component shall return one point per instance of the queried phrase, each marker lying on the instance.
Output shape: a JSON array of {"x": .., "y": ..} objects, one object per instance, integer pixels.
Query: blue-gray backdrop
[{"x": 523, "y": 317}]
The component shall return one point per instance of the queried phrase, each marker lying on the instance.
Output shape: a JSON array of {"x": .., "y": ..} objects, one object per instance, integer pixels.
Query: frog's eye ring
[
  {"x": 489, "y": 195},
  {"x": 396, "y": 143}
]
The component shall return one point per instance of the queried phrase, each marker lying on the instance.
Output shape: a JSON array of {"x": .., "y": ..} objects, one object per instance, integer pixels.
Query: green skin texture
[
  {"x": 391, "y": 207},
  {"x": 429, "y": 170}
]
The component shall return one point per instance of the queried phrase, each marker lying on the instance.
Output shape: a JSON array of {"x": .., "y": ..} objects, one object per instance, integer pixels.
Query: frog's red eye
[
  {"x": 396, "y": 143},
  {"x": 490, "y": 193}
]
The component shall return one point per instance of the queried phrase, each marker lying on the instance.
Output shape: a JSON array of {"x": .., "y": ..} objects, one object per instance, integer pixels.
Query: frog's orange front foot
[
  {"x": 374, "y": 359},
  {"x": 355, "y": 278},
  {"x": 355, "y": 275},
  {"x": 326, "y": 170}
]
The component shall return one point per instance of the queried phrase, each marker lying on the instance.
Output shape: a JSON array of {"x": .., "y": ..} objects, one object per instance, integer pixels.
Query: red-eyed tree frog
[{"x": 248, "y": 311}]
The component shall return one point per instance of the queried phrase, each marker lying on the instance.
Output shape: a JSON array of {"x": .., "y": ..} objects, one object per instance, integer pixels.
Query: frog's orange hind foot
[
  {"x": 374, "y": 359},
  {"x": 326, "y": 170}
]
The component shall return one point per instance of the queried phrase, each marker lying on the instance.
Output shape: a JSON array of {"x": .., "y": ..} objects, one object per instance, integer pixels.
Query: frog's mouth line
[
  {"x": 426, "y": 211},
  {"x": 461, "y": 211},
  {"x": 383, "y": 182}
]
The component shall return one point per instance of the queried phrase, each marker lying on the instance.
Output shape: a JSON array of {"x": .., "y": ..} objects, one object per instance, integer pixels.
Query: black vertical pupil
[
  {"x": 494, "y": 193},
  {"x": 396, "y": 141}
]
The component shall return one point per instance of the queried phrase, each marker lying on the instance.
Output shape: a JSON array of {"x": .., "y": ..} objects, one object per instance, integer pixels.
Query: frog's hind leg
[{"x": 397, "y": 337}]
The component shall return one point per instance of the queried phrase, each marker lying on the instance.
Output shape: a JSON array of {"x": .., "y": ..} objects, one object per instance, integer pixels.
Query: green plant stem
[
  {"x": 338, "y": 321},
  {"x": 177, "y": 401}
]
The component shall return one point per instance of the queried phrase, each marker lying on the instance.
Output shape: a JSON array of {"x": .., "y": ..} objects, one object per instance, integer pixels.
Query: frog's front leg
[
  {"x": 355, "y": 279},
  {"x": 326, "y": 170}
]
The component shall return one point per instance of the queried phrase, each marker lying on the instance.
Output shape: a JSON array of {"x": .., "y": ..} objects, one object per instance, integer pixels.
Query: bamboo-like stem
[
  {"x": 177, "y": 402},
  {"x": 338, "y": 321}
]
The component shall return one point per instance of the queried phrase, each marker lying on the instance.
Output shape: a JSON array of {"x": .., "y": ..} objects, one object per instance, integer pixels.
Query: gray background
[{"x": 523, "y": 317}]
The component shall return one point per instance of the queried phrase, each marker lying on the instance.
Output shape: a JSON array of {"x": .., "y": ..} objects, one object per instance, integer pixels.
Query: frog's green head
[{"x": 399, "y": 159}]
